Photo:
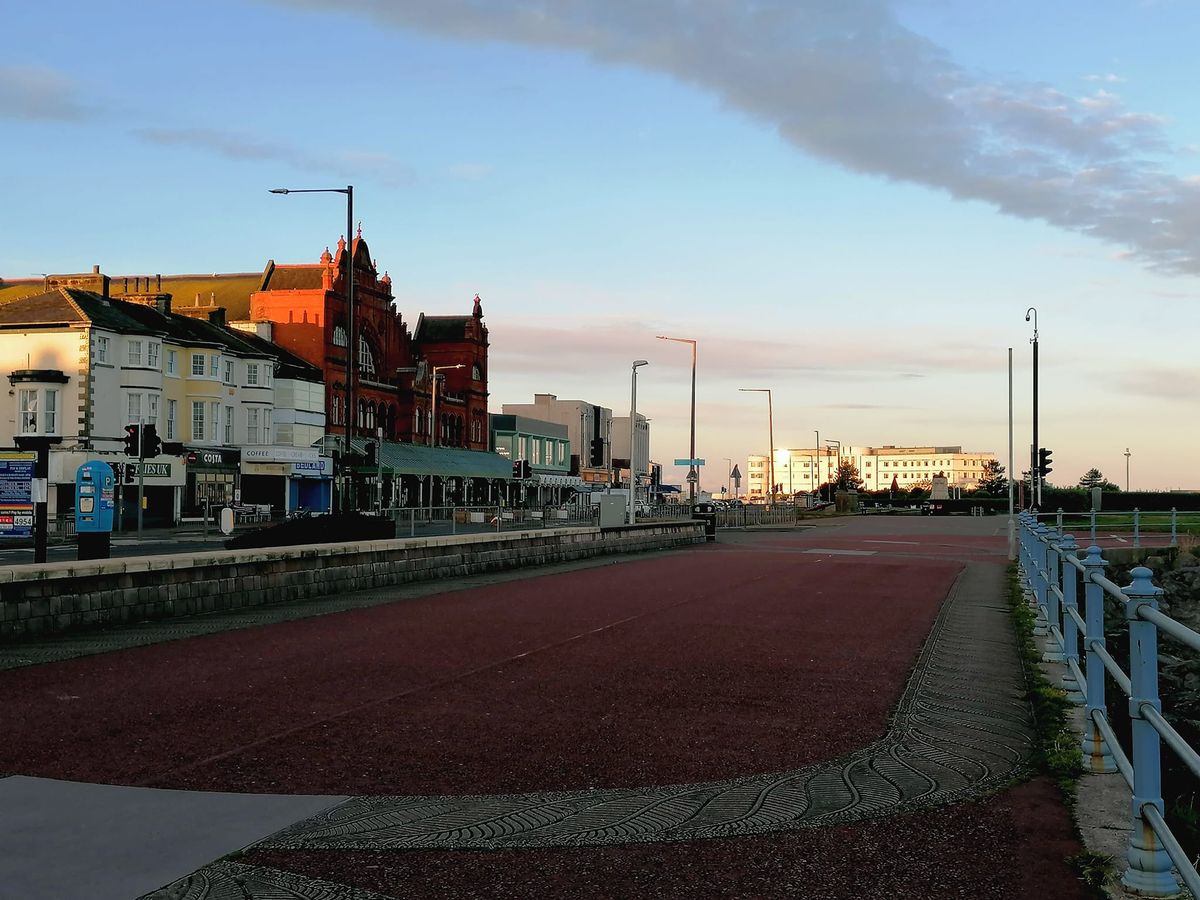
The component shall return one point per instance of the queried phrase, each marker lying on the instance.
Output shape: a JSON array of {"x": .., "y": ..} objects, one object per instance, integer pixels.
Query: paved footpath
[{"x": 830, "y": 712}]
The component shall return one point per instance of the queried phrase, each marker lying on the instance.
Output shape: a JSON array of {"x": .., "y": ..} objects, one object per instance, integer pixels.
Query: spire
[
  {"x": 326, "y": 258},
  {"x": 477, "y": 312},
  {"x": 360, "y": 228},
  {"x": 342, "y": 244}
]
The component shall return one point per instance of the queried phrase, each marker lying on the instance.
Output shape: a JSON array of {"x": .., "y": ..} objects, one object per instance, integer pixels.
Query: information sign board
[{"x": 16, "y": 493}]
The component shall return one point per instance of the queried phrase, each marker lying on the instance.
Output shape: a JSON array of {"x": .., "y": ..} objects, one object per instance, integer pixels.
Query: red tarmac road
[{"x": 699, "y": 666}]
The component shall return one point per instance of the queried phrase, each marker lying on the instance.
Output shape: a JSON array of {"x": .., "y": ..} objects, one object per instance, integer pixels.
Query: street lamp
[
  {"x": 633, "y": 435},
  {"x": 770, "y": 434},
  {"x": 837, "y": 468},
  {"x": 433, "y": 405},
  {"x": 351, "y": 347},
  {"x": 1127, "y": 470},
  {"x": 816, "y": 488},
  {"x": 693, "y": 476},
  {"x": 728, "y": 471},
  {"x": 1035, "y": 492}
]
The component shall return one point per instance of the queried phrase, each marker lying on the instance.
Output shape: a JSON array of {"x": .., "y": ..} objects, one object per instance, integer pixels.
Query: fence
[
  {"x": 1051, "y": 573},
  {"x": 414, "y": 521},
  {"x": 1157, "y": 522}
]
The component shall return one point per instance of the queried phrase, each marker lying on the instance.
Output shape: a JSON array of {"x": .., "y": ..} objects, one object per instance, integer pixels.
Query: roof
[
  {"x": 293, "y": 278},
  {"x": 71, "y": 306},
  {"x": 441, "y": 328},
  {"x": 25, "y": 287},
  {"x": 290, "y": 365},
  {"x": 418, "y": 459},
  {"x": 231, "y": 291}
]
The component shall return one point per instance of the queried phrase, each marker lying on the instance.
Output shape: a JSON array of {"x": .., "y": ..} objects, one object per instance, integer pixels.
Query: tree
[
  {"x": 1093, "y": 478},
  {"x": 993, "y": 480},
  {"x": 846, "y": 477}
]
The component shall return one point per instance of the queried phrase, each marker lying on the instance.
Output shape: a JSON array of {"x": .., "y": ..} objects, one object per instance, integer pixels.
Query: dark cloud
[
  {"x": 847, "y": 82},
  {"x": 34, "y": 93}
]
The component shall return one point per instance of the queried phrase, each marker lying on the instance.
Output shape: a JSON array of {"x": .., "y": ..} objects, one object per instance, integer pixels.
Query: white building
[
  {"x": 804, "y": 470},
  {"x": 589, "y": 429}
]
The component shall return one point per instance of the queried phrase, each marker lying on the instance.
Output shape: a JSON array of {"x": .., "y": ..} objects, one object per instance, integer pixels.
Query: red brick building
[{"x": 393, "y": 367}]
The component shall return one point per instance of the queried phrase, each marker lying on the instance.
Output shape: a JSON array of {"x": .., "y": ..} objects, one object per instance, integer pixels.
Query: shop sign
[
  {"x": 150, "y": 469},
  {"x": 280, "y": 454},
  {"x": 215, "y": 457},
  {"x": 254, "y": 468},
  {"x": 313, "y": 468}
]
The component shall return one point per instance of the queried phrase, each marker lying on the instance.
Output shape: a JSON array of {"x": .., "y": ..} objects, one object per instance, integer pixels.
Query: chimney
[
  {"x": 96, "y": 270},
  {"x": 158, "y": 282},
  {"x": 217, "y": 315}
]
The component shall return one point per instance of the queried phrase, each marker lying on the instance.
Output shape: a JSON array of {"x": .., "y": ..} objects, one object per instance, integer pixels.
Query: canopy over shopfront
[{"x": 418, "y": 475}]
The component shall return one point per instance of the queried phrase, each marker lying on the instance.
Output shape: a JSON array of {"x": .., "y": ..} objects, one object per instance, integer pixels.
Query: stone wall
[{"x": 56, "y": 597}]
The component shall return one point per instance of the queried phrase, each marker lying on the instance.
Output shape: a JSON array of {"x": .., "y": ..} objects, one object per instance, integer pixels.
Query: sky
[{"x": 850, "y": 202}]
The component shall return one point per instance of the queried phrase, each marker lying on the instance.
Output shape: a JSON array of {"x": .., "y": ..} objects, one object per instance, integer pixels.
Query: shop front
[
  {"x": 287, "y": 478},
  {"x": 212, "y": 479},
  {"x": 162, "y": 480}
]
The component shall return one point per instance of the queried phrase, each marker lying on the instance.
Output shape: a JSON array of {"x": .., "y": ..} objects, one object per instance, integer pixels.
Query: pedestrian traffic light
[
  {"x": 597, "y": 458},
  {"x": 1044, "y": 461},
  {"x": 517, "y": 468},
  {"x": 151, "y": 442},
  {"x": 526, "y": 469},
  {"x": 132, "y": 440}
]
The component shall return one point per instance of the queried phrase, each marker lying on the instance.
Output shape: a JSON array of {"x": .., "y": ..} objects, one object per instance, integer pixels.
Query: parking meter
[{"x": 94, "y": 504}]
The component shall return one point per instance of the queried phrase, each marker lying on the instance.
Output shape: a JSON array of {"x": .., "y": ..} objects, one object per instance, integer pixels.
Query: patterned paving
[
  {"x": 962, "y": 728},
  {"x": 234, "y": 881}
]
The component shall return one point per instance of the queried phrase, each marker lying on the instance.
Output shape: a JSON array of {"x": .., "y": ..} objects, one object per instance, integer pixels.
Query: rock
[{"x": 1186, "y": 560}]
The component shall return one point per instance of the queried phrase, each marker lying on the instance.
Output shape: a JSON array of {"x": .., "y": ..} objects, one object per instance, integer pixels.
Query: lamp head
[
  {"x": 279, "y": 190},
  {"x": 640, "y": 362}
]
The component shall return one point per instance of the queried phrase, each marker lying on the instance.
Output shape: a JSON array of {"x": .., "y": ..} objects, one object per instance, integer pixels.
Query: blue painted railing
[{"x": 1051, "y": 570}]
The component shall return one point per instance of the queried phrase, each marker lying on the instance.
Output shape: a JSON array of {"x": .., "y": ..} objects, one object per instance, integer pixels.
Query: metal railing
[
  {"x": 425, "y": 520},
  {"x": 1139, "y": 521},
  {"x": 1051, "y": 571}
]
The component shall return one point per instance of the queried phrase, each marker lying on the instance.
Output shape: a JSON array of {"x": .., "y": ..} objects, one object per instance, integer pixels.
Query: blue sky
[{"x": 851, "y": 203}]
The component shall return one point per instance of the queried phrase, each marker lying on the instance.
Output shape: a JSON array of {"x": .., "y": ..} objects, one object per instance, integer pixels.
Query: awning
[{"x": 418, "y": 459}]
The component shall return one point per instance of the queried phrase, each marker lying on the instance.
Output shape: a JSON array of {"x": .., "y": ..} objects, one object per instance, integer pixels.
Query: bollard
[
  {"x": 1149, "y": 870},
  {"x": 1070, "y": 581},
  {"x": 1174, "y": 528},
  {"x": 1096, "y": 755},
  {"x": 1137, "y": 527}
]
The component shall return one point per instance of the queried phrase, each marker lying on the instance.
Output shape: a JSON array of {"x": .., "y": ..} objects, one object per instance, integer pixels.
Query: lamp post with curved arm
[
  {"x": 693, "y": 475},
  {"x": 1035, "y": 492},
  {"x": 351, "y": 346},
  {"x": 770, "y": 437},
  {"x": 637, "y": 363}
]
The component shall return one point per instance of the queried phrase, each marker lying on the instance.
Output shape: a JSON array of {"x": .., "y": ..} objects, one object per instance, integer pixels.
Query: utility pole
[{"x": 1035, "y": 471}]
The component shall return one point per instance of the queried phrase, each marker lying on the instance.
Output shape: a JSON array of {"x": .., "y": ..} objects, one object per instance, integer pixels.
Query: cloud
[
  {"x": 848, "y": 83},
  {"x": 247, "y": 148},
  {"x": 469, "y": 171},
  {"x": 1107, "y": 78},
  {"x": 34, "y": 93}
]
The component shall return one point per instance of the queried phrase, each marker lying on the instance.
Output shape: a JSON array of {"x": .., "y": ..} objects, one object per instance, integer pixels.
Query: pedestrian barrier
[{"x": 1051, "y": 571}]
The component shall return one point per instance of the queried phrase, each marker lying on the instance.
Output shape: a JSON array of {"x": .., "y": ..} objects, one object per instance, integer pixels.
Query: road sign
[
  {"x": 689, "y": 462},
  {"x": 692, "y": 477}
]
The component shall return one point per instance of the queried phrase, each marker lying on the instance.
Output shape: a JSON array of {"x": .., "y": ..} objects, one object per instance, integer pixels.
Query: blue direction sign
[{"x": 689, "y": 462}]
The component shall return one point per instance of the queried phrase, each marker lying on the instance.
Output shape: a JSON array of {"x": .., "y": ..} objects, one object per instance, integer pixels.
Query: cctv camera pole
[
  {"x": 1035, "y": 494},
  {"x": 141, "y": 472}
]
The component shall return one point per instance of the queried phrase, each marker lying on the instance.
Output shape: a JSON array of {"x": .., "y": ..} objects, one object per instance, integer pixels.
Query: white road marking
[
  {"x": 914, "y": 543},
  {"x": 1121, "y": 539},
  {"x": 842, "y": 552}
]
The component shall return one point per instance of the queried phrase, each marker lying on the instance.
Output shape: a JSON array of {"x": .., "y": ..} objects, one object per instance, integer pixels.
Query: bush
[{"x": 334, "y": 529}]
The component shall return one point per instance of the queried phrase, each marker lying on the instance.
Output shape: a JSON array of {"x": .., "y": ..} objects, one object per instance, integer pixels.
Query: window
[
  {"x": 172, "y": 362},
  {"x": 268, "y": 371},
  {"x": 252, "y": 426},
  {"x": 366, "y": 361},
  {"x": 214, "y": 365},
  {"x": 28, "y": 406},
  {"x": 152, "y": 409},
  {"x": 135, "y": 353},
  {"x": 101, "y": 349},
  {"x": 172, "y": 412},
  {"x": 214, "y": 416},
  {"x": 339, "y": 336},
  {"x": 133, "y": 409},
  {"x": 197, "y": 363},
  {"x": 251, "y": 373},
  {"x": 476, "y": 372},
  {"x": 537, "y": 451},
  {"x": 152, "y": 349},
  {"x": 268, "y": 436},
  {"x": 417, "y": 420},
  {"x": 51, "y": 423},
  {"x": 197, "y": 417},
  {"x": 229, "y": 425},
  {"x": 229, "y": 371}
]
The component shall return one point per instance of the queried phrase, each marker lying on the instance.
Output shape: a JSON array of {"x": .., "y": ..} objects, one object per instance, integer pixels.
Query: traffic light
[
  {"x": 133, "y": 444},
  {"x": 1044, "y": 461},
  {"x": 517, "y": 468},
  {"x": 151, "y": 442},
  {"x": 369, "y": 450},
  {"x": 526, "y": 469},
  {"x": 597, "y": 457}
]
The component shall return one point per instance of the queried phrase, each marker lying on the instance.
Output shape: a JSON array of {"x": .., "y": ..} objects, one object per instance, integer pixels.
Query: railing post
[
  {"x": 1174, "y": 528},
  {"x": 1093, "y": 539},
  {"x": 1149, "y": 870},
  {"x": 1058, "y": 522},
  {"x": 1137, "y": 527},
  {"x": 1070, "y": 582},
  {"x": 1054, "y": 614},
  {"x": 1096, "y": 754},
  {"x": 1037, "y": 561}
]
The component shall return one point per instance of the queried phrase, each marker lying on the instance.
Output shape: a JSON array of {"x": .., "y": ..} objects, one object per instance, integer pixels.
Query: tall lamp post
[
  {"x": 770, "y": 435},
  {"x": 728, "y": 471},
  {"x": 1127, "y": 470},
  {"x": 351, "y": 346},
  {"x": 837, "y": 468},
  {"x": 433, "y": 405},
  {"x": 693, "y": 476},
  {"x": 1035, "y": 492},
  {"x": 633, "y": 436}
]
